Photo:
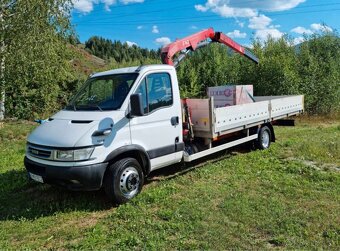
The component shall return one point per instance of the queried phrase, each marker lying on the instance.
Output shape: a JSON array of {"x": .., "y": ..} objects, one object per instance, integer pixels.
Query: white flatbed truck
[{"x": 125, "y": 123}]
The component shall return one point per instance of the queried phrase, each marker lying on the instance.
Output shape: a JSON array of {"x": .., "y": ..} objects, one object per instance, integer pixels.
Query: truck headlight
[
  {"x": 74, "y": 155},
  {"x": 64, "y": 155},
  {"x": 83, "y": 154}
]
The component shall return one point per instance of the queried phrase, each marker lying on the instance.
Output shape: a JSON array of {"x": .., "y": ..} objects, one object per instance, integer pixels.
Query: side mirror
[{"x": 136, "y": 104}]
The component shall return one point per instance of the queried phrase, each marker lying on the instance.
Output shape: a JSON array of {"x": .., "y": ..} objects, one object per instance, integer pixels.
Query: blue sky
[{"x": 153, "y": 23}]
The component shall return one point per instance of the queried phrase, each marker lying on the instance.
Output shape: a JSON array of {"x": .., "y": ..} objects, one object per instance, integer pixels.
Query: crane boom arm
[{"x": 194, "y": 41}]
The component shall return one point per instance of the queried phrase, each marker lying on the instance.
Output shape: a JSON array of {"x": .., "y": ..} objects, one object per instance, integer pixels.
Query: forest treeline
[
  {"x": 118, "y": 51},
  {"x": 41, "y": 75}
]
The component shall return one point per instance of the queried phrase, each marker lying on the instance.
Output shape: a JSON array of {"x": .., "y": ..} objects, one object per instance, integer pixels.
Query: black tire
[
  {"x": 123, "y": 180},
  {"x": 264, "y": 138}
]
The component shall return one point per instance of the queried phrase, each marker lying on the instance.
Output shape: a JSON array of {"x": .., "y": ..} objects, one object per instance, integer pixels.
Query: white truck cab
[{"x": 76, "y": 146}]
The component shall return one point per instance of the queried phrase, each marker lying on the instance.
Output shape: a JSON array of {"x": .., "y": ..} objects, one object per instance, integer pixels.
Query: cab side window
[
  {"x": 142, "y": 90},
  {"x": 156, "y": 91}
]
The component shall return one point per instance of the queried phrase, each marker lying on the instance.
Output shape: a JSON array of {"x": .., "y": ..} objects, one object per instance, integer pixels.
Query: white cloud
[
  {"x": 236, "y": 8},
  {"x": 250, "y": 9},
  {"x": 313, "y": 28},
  {"x": 131, "y": 1},
  {"x": 226, "y": 11},
  {"x": 298, "y": 40},
  {"x": 200, "y": 7},
  {"x": 162, "y": 41},
  {"x": 265, "y": 33},
  {"x": 139, "y": 27},
  {"x": 259, "y": 22},
  {"x": 237, "y": 34},
  {"x": 267, "y": 5},
  {"x": 222, "y": 8},
  {"x": 321, "y": 27},
  {"x": 264, "y": 28},
  {"x": 130, "y": 44},
  {"x": 108, "y": 3},
  {"x": 301, "y": 30},
  {"x": 155, "y": 29},
  {"x": 241, "y": 24},
  {"x": 193, "y": 27},
  {"x": 86, "y": 6},
  {"x": 83, "y": 6}
]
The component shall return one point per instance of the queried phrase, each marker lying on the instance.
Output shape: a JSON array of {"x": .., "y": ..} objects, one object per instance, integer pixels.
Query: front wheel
[
  {"x": 124, "y": 180},
  {"x": 264, "y": 138}
]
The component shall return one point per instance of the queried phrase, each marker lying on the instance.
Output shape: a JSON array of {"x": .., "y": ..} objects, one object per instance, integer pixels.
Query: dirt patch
[
  {"x": 86, "y": 222},
  {"x": 317, "y": 166}
]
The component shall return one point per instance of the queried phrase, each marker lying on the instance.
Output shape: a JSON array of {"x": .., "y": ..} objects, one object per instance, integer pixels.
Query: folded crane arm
[{"x": 197, "y": 40}]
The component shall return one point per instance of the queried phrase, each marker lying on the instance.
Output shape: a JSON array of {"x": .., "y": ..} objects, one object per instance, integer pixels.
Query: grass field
[{"x": 287, "y": 197}]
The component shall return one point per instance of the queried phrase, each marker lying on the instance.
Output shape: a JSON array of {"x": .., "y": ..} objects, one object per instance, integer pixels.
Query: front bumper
[{"x": 76, "y": 178}]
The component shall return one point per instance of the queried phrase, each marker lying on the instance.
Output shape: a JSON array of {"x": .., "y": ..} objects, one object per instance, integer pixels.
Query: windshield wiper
[
  {"x": 99, "y": 107},
  {"x": 94, "y": 106},
  {"x": 75, "y": 107}
]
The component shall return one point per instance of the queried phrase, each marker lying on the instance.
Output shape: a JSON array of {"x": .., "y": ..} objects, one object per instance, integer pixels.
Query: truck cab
[{"x": 99, "y": 140}]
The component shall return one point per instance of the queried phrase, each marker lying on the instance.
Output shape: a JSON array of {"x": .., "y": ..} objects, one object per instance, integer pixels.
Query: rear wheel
[
  {"x": 264, "y": 138},
  {"x": 124, "y": 180}
]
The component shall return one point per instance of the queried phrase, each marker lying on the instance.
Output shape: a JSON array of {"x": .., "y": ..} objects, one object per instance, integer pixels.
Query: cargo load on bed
[{"x": 228, "y": 95}]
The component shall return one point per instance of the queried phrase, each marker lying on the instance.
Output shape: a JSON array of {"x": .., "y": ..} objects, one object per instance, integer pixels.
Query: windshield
[{"x": 103, "y": 93}]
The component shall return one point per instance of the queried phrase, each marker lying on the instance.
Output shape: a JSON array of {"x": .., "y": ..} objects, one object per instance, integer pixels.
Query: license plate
[{"x": 37, "y": 178}]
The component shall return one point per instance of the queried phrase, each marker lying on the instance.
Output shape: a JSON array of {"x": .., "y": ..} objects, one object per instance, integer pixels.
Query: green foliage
[
  {"x": 319, "y": 64},
  {"x": 311, "y": 68},
  {"x": 37, "y": 56},
  {"x": 120, "y": 52},
  {"x": 211, "y": 66},
  {"x": 276, "y": 74}
]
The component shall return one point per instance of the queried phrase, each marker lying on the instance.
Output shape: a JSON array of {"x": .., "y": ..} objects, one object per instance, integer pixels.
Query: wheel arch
[{"x": 132, "y": 151}]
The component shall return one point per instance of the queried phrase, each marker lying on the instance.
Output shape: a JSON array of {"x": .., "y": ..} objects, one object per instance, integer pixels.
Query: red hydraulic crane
[{"x": 197, "y": 40}]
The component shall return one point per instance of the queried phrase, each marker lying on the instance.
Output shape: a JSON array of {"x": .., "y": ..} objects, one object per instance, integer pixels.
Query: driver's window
[{"x": 156, "y": 91}]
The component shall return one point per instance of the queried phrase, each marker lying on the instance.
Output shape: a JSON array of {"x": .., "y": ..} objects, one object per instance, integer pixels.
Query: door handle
[{"x": 174, "y": 120}]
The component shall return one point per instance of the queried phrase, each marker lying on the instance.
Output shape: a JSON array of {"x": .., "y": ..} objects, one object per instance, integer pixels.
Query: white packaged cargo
[{"x": 231, "y": 95}]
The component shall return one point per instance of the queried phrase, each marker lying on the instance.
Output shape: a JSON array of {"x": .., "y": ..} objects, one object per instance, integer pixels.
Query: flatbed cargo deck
[{"x": 211, "y": 123}]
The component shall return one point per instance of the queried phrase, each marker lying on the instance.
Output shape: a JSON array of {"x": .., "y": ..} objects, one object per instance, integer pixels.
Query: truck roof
[{"x": 141, "y": 68}]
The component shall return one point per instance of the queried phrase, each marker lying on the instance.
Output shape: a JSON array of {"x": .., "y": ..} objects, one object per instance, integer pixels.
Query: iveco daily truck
[{"x": 125, "y": 123}]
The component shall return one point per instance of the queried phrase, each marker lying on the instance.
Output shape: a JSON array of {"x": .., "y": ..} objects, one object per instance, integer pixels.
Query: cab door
[{"x": 159, "y": 131}]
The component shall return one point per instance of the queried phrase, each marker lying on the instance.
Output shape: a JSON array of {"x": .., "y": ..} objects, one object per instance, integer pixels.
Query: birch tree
[{"x": 35, "y": 54}]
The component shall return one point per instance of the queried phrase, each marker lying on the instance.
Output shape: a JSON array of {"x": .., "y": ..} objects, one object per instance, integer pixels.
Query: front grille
[{"x": 39, "y": 152}]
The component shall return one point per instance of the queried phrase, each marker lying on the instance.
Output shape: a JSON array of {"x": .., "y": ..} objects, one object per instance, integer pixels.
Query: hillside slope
[{"x": 84, "y": 62}]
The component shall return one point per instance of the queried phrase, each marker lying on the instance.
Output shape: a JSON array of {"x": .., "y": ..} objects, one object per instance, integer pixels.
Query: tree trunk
[{"x": 2, "y": 70}]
